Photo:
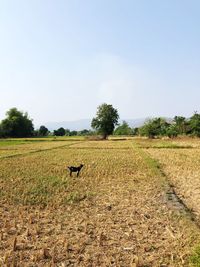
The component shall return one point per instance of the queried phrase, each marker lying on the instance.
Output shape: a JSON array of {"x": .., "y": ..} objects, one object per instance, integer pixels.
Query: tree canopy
[
  {"x": 59, "y": 132},
  {"x": 181, "y": 124},
  {"x": 123, "y": 129},
  {"x": 178, "y": 126},
  {"x": 16, "y": 124},
  {"x": 105, "y": 120},
  {"x": 154, "y": 127},
  {"x": 194, "y": 124},
  {"x": 43, "y": 131}
]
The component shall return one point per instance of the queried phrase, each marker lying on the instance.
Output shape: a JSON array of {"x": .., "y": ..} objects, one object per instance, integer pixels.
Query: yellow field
[{"x": 121, "y": 211}]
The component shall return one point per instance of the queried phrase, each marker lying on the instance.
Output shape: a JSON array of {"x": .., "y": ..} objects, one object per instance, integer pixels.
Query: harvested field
[
  {"x": 117, "y": 213},
  {"x": 8, "y": 149},
  {"x": 182, "y": 167}
]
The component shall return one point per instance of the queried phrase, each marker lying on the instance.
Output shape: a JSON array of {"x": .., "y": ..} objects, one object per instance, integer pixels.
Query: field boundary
[
  {"x": 171, "y": 195},
  {"x": 38, "y": 150}
]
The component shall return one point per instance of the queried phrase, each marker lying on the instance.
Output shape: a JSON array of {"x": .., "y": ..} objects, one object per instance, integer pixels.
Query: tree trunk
[{"x": 105, "y": 136}]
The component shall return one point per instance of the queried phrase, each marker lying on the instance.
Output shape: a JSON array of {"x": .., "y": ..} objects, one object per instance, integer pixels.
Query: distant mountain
[
  {"x": 86, "y": 124},
  {"x": 71, "y": 125}
]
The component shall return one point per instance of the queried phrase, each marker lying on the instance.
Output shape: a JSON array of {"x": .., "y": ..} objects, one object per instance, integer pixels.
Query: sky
[{"x": 59, "y": 60}]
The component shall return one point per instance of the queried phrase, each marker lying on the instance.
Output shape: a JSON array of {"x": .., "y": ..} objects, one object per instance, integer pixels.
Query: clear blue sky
[{"x": 60, "y": 59}]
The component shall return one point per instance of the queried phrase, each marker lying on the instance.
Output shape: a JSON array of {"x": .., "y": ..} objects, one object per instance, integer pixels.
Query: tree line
[
  {"x": 106, "y": 122},
  {"x": 18, "y": 124},
  {"x": 43, "y": 131},
  {"x": 179, "y": 125}
]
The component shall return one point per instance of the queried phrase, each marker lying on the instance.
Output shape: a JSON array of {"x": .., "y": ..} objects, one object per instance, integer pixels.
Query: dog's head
[{"x": 81, "y": 165}]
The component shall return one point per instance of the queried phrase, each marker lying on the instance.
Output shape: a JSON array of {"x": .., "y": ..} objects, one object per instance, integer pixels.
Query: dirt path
[{"x": 129, "y": 221}]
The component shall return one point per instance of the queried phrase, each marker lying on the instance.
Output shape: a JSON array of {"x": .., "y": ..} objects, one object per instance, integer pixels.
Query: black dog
[{"x": 75, "y": 169}]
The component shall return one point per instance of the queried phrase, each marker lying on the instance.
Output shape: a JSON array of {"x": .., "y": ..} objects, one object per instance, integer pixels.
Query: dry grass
[
  {"x": 115, "y": 214},
  {"x": 182, "y": 168},
  {"x": 8, "y": 149},
  {"x": 179, "y": 142}
]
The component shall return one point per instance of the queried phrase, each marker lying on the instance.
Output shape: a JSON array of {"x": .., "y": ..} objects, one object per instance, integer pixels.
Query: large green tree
[
  {"x": 172, "y": 131},
  {"x": 105, "y": 120},
  {"x": 59, "y": 132},
  {"x": 181, "y": 124},
  {"x": 194, "y": 124},
  {"x": 16, "y": 124},
  {"x": 43, "y": 131},
  {"x": 154, "y": 127}
]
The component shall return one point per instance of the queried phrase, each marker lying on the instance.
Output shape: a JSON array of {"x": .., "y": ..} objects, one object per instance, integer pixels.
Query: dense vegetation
[
  {"x": 18, "y": 124},
  {"x": 178, "y": 126},
  {"x": 123, "y": 129}
]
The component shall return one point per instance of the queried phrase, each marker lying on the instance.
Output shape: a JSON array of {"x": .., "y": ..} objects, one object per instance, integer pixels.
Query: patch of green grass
[
  {"x": 43, "y": 190},
  {"x": 152, "y": 163},
  {"x": 195, "y": 257},
  {"x": 11, "y": 142},
  {"x": 21, "y": 141},
  {"x": 155, "y": 143}
]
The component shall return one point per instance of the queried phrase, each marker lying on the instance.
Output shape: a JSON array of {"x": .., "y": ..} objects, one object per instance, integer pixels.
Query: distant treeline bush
[
  {"x": 159, "y": 127},
  {"x": 18, "y": 124}
]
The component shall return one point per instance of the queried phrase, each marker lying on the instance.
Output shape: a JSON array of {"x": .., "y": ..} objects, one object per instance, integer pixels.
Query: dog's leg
[
  {"x": 77, "y": 173},
  {"x": 70, "y": 173}
]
